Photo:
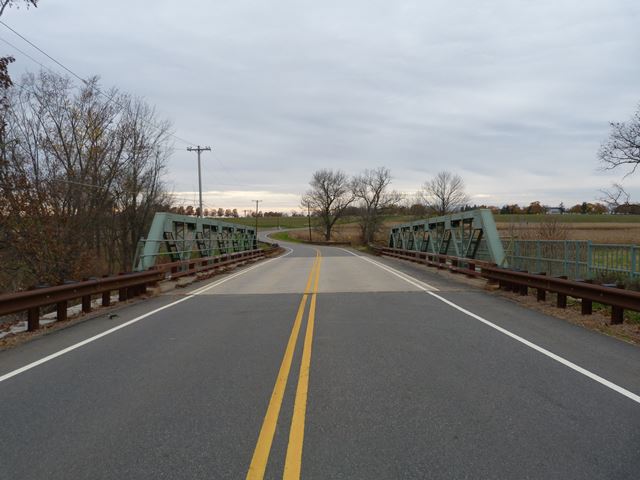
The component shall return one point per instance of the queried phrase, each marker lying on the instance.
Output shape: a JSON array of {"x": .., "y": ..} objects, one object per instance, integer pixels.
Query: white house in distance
[{"x": 555, "y": 210}]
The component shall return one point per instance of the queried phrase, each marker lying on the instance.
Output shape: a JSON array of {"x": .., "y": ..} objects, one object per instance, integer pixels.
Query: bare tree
[
  {"x": 614, "y": 197},
  {"x": 80, "y": 176},
  {"x": 444, "y": 193},
  {"x": 623, "y": 146},
  {"x": 9, "y": 3},
  {"x": 371, "y": 190},
  {"x": 330, "y": 194}
]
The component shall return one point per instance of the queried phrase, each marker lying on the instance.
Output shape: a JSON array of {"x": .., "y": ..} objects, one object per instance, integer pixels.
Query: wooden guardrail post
[
  {"x": 86, "y": 301},
  {"x": 472, "y": 267},
  {"x": 562, "y": 298},
  {"x": 122, "y": 292},
  {"x": 586, "y": 305},
  {"x": 541, "y": 293},
  {"x": 617, "y": 313},
  {"x": 33, "y": 319},
  {"x": 523, "y": 289},
  {"x": 61, "y": 310},
  {"x": 106, "y": 296}
]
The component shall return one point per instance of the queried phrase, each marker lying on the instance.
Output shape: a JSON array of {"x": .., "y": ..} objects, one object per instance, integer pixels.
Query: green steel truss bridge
[
  {"x": 181, "y": 237},
  {"x": 470, "y": 234}
]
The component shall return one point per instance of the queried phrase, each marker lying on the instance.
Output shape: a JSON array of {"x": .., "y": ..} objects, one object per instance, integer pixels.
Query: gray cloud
[{"x": 513, "y": 95}]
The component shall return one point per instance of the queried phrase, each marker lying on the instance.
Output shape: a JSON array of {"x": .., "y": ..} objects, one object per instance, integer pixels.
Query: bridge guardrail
[
  {"x": 198, "y": 265},
  {"x": 128, "y": 285},
  {"x": 468, "y": 266},
  {"x": 613, "y": 295}
]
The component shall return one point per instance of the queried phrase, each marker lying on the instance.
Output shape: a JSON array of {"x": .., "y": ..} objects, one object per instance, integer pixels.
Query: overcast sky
[{"x": 513, "y": 95}]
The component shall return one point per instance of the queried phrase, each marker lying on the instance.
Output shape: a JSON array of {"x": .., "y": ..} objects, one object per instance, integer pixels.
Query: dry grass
[
  {"x": 349, "y": 232},
  {"x": 596, "y": 232}
]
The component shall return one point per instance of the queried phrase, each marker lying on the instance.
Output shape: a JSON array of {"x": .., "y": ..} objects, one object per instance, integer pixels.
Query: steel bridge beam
[
  {"x": 182, "y": 235},
  {"x": 471, "y": 234}
]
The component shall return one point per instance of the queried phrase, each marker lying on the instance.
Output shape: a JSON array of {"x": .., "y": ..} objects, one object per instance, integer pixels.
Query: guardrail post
[
  {"x": 61, "y": 311},
  {"x": 106, "y": 296},
  {"x": 562, "y": 301},
  {"x": 471, "y": 266},
  {"x": 33, "y": 319},
  {"x": 541, "y": 293},
  {"x": 617, "y": 313},
  {"x": 122, "y": 292},
  {"x": 86, "y": 301},
  {"x": 131, "y": 292},
  {"x": 562, "y": 298},
  {"x": 586, "y": 305},
  {"x": 523, "y": 289}
]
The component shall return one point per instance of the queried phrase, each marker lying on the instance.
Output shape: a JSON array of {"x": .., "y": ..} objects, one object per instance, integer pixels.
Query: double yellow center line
[{"x": 293, "y": 461}]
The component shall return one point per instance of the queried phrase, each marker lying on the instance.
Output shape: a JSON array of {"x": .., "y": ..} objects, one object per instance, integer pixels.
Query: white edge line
[
  {"x": 557, "y": 358},
  {"x": 537, "y": 348},
  {"x": 190, "y": 295},
  {"x": 425, "y": 287}
]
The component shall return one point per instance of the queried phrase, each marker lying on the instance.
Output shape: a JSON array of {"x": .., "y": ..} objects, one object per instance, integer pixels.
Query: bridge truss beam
[
  {"x": 471, "y": 234},
  {"x": 179, "y": 237}
]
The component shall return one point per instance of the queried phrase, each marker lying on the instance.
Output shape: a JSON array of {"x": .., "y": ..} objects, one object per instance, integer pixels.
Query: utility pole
[
  {"x": 199, "y": 150},
  {"x": 309, "y": 218},
  {"x": 257, "y": 202}
]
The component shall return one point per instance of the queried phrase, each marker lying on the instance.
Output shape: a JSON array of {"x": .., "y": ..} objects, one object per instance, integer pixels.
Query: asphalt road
[{"x": 322, "y": 364}]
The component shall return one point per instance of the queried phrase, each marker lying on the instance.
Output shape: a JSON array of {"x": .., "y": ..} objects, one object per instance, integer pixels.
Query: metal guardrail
[
  {"x": 613, "y": 295},
  {"x": 128, "y": 285},
  {"x": 468, "y": 266},
  {"x": 609, "y": 294},
  {"x": 198, "y": 265}
]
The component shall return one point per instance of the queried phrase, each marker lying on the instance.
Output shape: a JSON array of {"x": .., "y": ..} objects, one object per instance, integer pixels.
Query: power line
[
  {"x": 44, "y": 53},
  {"x": 99, "y": 187},
  {"x": 26, "y": 55},
  {"x": 88, "y": 84},
  {"x": 85, "y": 82}
]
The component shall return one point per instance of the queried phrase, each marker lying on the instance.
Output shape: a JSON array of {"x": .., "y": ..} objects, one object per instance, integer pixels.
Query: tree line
[
  {"x": 368, "y": 195},
  {"x": 80, "y": 178},
  {"x": 206, "y": 212}
]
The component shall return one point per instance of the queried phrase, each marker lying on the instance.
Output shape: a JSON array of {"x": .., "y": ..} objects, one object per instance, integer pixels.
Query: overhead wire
[
  {"x": 26, "y": 54},
  {"x": 110, "y": 98},
  {"x": 74, "y": 74},
  {"x": 98, "y": 90}
]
